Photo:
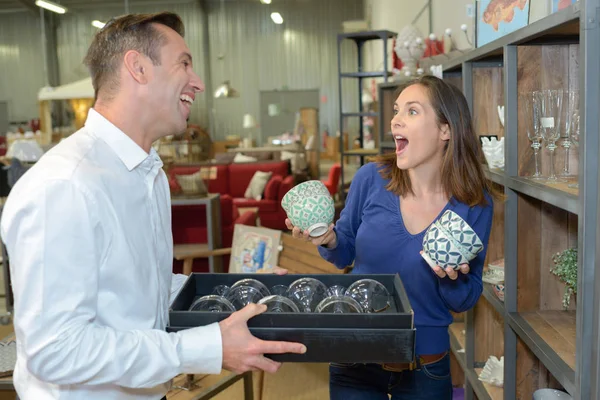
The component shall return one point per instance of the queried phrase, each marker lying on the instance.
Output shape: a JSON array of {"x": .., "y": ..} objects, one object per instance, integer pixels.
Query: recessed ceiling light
[
  {"x": 48, "y": 5},
  {"x": 265, "y": 1},
  {"x": 277, "y": 18},
  {"x": 98, "y": 24}
]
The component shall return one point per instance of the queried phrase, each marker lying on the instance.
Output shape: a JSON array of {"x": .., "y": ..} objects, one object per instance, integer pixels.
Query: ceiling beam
[{"x": 30, "y": 5}]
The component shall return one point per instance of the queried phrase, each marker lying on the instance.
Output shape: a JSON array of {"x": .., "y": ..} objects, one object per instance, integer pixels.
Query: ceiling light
[
  {"x": 98, "y": 24},
  {"x": 277, "y": 18},
  {"x": 265, "y": 1},
  {"x": 48, "y": 5}
]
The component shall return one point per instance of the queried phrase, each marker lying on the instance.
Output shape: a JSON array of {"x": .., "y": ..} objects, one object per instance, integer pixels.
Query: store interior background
[{"x": 231, "y": 40}]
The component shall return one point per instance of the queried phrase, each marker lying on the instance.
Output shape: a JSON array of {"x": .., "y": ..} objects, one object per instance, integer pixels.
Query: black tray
[{"x": 388, "y": 336}]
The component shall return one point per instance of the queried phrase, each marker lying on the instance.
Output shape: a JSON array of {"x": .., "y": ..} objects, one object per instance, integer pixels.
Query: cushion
[
  {"x": 257, "y": 184},
  {"x": 192, "y": 183},
  {"x": 272, "y": 188},
  {"x": 297, "y": 160},
  {"x": 226, "y": 158},
  {"x": 240, "y": 158},
  {"x": 261, "y": 155}
]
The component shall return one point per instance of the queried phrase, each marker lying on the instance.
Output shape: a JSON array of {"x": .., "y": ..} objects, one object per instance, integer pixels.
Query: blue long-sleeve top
[{"x": 371, "y": 233}]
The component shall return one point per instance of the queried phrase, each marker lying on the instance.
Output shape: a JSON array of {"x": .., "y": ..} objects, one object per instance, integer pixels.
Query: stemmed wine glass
[
  {"x": 569, "y": 110},
  {"x": 549, "y": 105},
  {"x": 534, "y": 132},
  {"x": 575, "y": 135}
]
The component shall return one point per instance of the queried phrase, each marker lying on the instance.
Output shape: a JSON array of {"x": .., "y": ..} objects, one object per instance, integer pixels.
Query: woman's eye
[
  {"x": 395, "y": 111},
  {"x": 412, "y": 111}
]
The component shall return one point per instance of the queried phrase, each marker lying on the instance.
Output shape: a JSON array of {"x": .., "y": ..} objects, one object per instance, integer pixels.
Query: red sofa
[
  {"x": 233, "y": 179},
  {"x": 189, "y": 226}
]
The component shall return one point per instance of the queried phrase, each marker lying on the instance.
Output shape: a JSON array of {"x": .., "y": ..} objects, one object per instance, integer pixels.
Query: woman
[{"x": 390, "y": 205}]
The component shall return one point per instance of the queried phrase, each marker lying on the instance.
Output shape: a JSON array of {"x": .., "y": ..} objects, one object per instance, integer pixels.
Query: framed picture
[
  {"x": 560, "y": 4},
  {"x": 496, "y": 18},
  {"x": 253, "y": 248}
]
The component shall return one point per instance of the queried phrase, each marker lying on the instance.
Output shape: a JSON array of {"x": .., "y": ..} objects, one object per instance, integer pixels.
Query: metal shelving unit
[
  {"x": 359, "y": 38},
  {"x": 579, "y": 23}
]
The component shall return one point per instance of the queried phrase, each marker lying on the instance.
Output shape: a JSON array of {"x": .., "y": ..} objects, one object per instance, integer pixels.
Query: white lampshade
[
  {"x": 225, "y": 91},
  {"x": 249, "y": 121}
]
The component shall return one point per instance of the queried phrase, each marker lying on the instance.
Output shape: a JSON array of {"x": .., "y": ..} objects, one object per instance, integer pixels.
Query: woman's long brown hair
[{"x": 462, "y": 174}]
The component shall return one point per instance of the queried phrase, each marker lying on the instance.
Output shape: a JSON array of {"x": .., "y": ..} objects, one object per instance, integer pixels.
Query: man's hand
[
  {"x": 243, "y": 352},
  {"x": 328, "y": 239}
]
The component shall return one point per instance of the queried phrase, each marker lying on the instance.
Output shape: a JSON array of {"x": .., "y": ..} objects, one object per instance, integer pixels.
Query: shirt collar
[{"x": 130, "y": 153}]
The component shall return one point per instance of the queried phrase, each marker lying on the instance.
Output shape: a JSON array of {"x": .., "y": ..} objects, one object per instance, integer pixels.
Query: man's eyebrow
[{"x": 185, "y": 55}]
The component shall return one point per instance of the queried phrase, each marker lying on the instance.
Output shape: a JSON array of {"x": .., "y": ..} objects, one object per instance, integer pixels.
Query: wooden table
[{"x": 212, "y": 202}]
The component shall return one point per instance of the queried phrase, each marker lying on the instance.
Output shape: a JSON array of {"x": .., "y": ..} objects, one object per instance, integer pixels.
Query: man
[{"x": 88, "y": 233}]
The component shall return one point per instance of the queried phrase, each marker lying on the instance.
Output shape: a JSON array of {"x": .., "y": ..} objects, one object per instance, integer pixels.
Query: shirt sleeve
[
  {"x": 461, "y": 294},
  {"x": 343, "y": 254},
  {"x": 56, "y": 244}
]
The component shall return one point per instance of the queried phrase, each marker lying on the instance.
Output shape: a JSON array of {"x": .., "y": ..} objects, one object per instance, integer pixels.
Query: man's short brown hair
[{"x": 119, "y": 35}]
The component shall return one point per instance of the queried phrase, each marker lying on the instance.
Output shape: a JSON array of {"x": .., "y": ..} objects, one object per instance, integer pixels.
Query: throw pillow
[
  {"x": 297, "y": 160},
  {"x": 257, "y": 184},
  {"x": 192, "y": 183},
  {"x": 240, "y": 158}
]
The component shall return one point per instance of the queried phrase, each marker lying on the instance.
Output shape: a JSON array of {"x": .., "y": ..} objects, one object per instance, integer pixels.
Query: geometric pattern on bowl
[
  {"x": 440, "y": 250},
  {"x": 302, "y": 190},
  {"x": 459, "y": 230},
  {"x": 314, "y": 213}
]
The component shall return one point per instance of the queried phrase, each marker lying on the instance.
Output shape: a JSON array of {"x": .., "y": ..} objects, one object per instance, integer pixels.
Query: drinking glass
[
  {"x": 534, "y": 132},
  {"x": 307, "y": 293},
  {"x": 370, "y": 294},
  {"x": 549, "y": 105},
  {"x": 212, "y": 303},
  {"x": 279, "y": 304},
  {"x": 570, "y": 110},
  {"x": 575, "y": 135},
  {"x": 339, "y": 305}
]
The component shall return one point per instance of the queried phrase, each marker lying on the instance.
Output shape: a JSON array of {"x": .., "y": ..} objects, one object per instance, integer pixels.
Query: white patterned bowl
[
  {"x": 440, "y": 249},
  {"x": 458, "y": 229},
  {"x": 309, "y": 206}
]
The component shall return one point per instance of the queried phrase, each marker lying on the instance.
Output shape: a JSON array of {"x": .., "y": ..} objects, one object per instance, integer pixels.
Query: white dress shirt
[{"x": 88, "y": 234}]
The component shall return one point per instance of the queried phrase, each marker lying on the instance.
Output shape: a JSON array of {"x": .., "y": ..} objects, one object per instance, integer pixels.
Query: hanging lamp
[{"x": 224, "y": 90}]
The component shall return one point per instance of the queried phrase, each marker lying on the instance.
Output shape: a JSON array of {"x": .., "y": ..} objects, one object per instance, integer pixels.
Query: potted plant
[{"x": 566, "y": 269}]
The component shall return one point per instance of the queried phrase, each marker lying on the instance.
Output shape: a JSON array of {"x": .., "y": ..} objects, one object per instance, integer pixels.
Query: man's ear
[
  {"x": 445, "y": 132},
  {"x": 136, "y": 65}
]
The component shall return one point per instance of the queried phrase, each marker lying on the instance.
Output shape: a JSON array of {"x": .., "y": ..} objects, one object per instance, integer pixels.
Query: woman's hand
[
  {"x": 328, "y": 239},
  {"x": 450, "y": 272},
  {"x": 274, "y": 270}
]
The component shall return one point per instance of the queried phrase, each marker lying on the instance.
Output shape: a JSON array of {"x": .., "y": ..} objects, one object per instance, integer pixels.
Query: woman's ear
[{"x": 445, "y": 132}]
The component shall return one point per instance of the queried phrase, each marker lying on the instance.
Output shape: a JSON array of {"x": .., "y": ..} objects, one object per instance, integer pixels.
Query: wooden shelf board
[
  {"x": 494, "y": 392},
  {"x": 493, "y": 174},
  {"x": 456, "y": 330},
  {"x": 557, "y": 328},
  {"x": 490, "y": 296},
  {"x": 550, "y": 335},
  {"x": 558, "y": 195}
]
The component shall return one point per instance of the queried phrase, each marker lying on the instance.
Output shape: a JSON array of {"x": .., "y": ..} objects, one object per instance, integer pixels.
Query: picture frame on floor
[{"x": 254, "y": 248}]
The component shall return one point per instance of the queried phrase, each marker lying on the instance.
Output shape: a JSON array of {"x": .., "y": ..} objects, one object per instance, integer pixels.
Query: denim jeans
[{"x": 372, "y": 382}]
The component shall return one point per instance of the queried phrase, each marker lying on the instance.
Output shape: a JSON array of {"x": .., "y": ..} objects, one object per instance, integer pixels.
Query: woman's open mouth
[{"x": 401, "y": 144}]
